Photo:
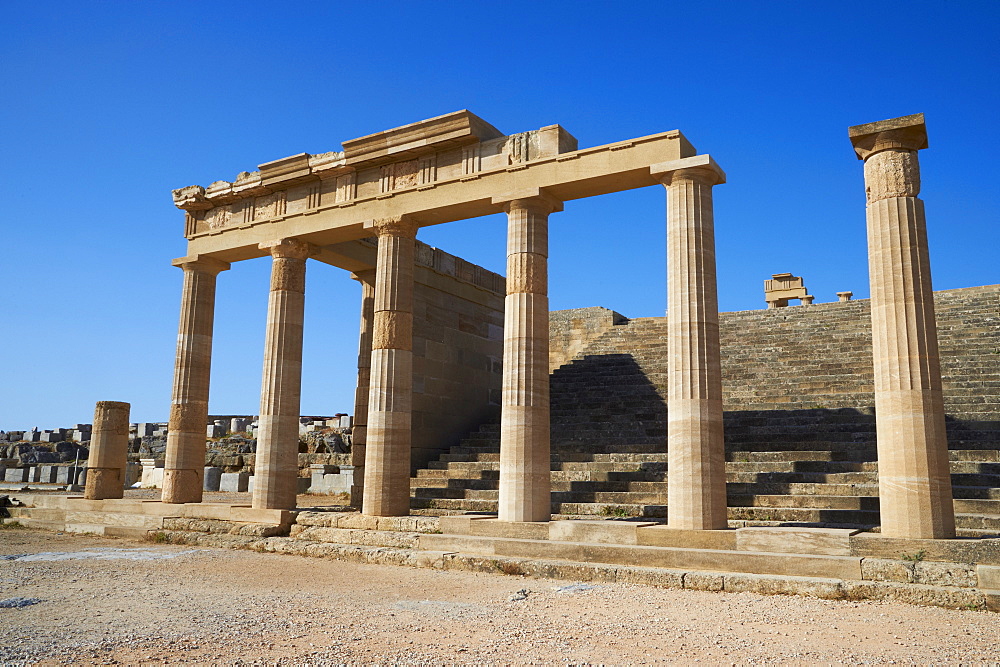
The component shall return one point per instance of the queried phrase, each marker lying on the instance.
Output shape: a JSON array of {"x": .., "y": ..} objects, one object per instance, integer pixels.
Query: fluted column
[
  {"x": 359, "y": 430},
  {"x": 390, "y": 396},
  {"x": 525, "y": 462},
  {"x": 184, "y": 468},
  {"x": 696, "y": 455},
  {"x": 915, "y": 496},
  {"x": 108, "y": 451},
  {"x": 276, "y": 462}
]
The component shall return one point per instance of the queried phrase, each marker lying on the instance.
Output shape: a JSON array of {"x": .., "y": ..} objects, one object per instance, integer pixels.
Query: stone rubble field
[{"x": 105, "y": 601}]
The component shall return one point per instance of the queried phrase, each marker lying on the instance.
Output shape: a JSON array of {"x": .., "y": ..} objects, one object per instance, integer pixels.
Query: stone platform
[{"x": 828, "y": 563}]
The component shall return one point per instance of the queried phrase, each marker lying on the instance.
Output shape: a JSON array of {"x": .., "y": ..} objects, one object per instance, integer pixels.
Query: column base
[
  {"x": 104, "y": 483},
  {"x": 182, "y": 486}
]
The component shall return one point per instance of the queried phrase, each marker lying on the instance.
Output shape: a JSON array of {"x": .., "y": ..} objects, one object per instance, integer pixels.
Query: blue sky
[{"x": 108, "y": 106}]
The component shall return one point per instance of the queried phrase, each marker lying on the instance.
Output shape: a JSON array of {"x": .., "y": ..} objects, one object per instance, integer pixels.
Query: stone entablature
[{"x": 451, "y": 147}]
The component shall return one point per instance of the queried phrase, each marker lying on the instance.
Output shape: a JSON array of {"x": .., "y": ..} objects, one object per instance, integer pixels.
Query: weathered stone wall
[
  {"x": 570, "y": 331},
  {"x": 457, "y": 353}
]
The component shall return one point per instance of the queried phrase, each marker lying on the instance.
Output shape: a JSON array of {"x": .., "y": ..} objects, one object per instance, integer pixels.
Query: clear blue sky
[{"x": 108, "y": 106}]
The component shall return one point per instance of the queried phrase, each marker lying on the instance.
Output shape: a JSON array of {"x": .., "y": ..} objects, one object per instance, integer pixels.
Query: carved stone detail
[
  {"x": 289, "y": 248},
  {"x": 393, "y": 329},
  {"x": 428, "y": 169},
  {"x": 219, "y": 217},
  {"x": 471, "y": 160},
  {"x": 269, "y": 206},
  {"x": 401, "y": 226},
  {"x": 892, "y": 173},
  {"x": 347, "y": 187}
]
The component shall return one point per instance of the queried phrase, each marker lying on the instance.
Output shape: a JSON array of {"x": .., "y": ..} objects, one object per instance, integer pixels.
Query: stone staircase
[{"x": 799, "y": 421}]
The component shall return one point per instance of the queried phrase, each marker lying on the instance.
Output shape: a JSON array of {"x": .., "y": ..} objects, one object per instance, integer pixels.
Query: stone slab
[
  {"x": 665, "y": 536},
  {"x": 248, "y": 514},
  {"x": 460, "y": 524},
  {"x": 528, "y": 530},
  {"x": 789, "y": 539},
  {"x": 985, "y": 551},
  {"x": 989, "y": 577},
  {"x": 599, "y": 532}
]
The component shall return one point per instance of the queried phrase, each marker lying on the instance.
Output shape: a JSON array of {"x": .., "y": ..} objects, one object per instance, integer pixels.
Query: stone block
[
  {"x": 133, "y": 473},
  {"x": 600, "y": 532},
  {"x": 514, "y": 529},
  {"x": 762, "y": 584},
  {"x": 931, "y": 573},
  {"x": 664, "y": 536},
  {"x": 234, "y": 482},
  {"x": 16, "y": 475},
  {"x": 988, "y": 577},
  {"x": 46, "y": 474},
  {"x": 817, "y": 541},
  {"x": 884, "y": 569},
  {"x": 67, "y": 474},
  {"x": 213, "y": 479},
  {"x": 704, "y": 581}
]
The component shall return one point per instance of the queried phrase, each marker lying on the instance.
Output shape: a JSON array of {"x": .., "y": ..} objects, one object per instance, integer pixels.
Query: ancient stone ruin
[{"x": 797, "y": 427}]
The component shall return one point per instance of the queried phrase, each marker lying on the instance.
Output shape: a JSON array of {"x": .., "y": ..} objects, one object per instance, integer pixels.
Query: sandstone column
[
  {"x": 390, "y": 397},
  {"x": 359, "y": 431},
  {"x": 525, "y": 462},
  {"x": 185, "y": 460},
  {"x": 914, "y": 478},
  {"x": 276, "y": 463},
  {"x": 108, "y": 452},
  {"x": 696, "y": 460}
]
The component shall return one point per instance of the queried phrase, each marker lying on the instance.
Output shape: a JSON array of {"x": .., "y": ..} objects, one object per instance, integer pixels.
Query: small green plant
[
  {"x": 159, "y": 537},
  {"x": 611, "y": 510},
  {"x": 915, "y": 557},
  {"x": 11, "y": 525}
]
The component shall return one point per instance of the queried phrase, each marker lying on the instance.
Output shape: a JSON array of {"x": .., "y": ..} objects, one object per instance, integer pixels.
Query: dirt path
[{"x": 104, "y": 601}]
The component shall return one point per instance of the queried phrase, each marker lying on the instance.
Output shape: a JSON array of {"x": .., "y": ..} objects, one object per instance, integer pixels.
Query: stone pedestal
[
  {"x": 914, "y": 479},
  {"x": 525, "y": 462},
  {"x": 359, "y": 430},
  {"x": 185, "y": 457},
  {"x": 696, "y": 461},
  {"x": 276, "y": 463},
  {"x": 108, "y": 451},
  {"x": 390, "y": 397}
]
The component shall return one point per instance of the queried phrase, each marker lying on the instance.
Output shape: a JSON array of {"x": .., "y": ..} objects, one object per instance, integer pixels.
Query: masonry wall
[{"x": 571, "y": 330}]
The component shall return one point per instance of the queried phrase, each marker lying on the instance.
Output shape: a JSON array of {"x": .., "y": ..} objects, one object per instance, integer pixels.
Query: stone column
[
  {"x": 525, "y": 462},
  {"x": 276, "y": 463},
  {"x": 914, "y": 478},
  {"x": 108, "y": 452},
  {"x": 696, "y": 460},
  {"x": 390, "y": 397},
  {"x": 359, "y": 431},
  {"x": 185, "y": 460}
]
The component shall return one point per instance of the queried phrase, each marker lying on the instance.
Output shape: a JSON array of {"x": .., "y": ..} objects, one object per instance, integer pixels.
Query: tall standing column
[
  {"x": 390, "y": 397},
  {"x": 525, "y": 461},
  {"x": 914, "y": 479},
  {"x": 184, "y": 468},
  {"x": 696, "y": 455},
  {"x": 359, "y": 430},
  {"x": 276, "y": 463},
  {"x": 108, "y": 452}
]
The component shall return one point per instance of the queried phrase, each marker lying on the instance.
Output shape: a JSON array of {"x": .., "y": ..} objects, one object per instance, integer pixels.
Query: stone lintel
[
  {"x": 908, "y": 132},
  {"x": 426, "y": 136},
  {"x": 503, "y": 200},
  {"x": 699, "y": 162},
  {"x": 203, "y": 263}
]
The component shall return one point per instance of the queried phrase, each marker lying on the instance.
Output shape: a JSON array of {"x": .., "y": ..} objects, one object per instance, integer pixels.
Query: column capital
[
  {"x": 908, "y": 133},
  {"x": 401, "y": 226},
  {"x": 700, "y": 168},
  {"x": 201, "y": 264},
  {"x": 366, "y": 276},
  {"x": 289, "y": 248},
  {"x": 535, "y": 200}
]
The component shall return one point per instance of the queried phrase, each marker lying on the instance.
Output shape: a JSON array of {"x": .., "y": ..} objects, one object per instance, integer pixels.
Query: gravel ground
[{"x": 94, "y": 600}]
